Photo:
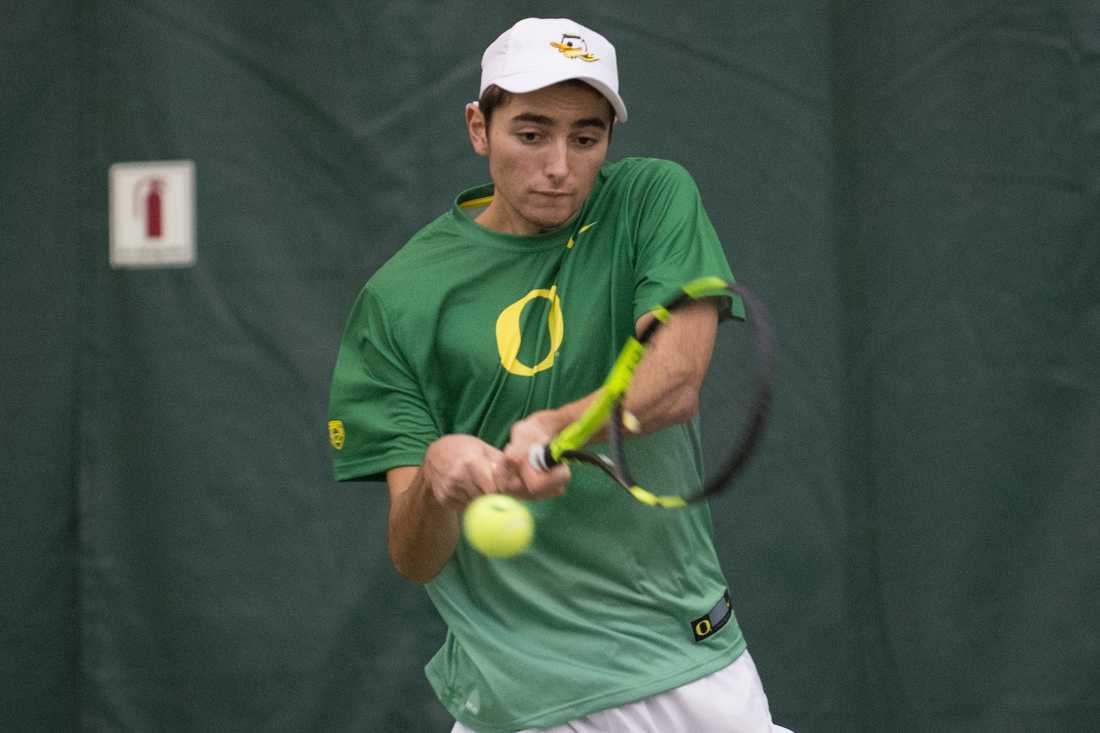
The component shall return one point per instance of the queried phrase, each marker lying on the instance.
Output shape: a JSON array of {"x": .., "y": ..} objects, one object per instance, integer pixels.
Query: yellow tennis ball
[{"x": 498, "y": 525}]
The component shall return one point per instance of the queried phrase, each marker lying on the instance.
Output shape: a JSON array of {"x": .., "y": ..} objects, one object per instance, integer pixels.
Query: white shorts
[{"x": 731, "y": 700}]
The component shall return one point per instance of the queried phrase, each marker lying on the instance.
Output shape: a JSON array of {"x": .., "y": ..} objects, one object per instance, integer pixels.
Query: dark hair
[
  {"x": 490, "y": 99},
  {"x": 494, "y": 97}
]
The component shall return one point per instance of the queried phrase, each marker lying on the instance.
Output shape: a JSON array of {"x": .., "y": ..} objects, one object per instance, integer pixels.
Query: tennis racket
[{"x": 567, "y": 446}]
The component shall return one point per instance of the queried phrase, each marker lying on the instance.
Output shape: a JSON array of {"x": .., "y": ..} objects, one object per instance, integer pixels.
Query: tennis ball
[{"x": 498, "y": 525}]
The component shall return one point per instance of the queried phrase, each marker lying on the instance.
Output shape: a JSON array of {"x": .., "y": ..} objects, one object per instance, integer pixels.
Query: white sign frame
[{"x": 152, "y": 214}]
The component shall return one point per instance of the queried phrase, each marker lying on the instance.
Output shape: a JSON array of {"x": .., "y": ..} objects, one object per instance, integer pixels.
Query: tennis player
[{"x": 489, "y": 332}]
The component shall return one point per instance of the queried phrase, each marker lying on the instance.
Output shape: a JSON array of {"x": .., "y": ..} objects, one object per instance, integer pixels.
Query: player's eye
[{"x": 528, "y": 136}]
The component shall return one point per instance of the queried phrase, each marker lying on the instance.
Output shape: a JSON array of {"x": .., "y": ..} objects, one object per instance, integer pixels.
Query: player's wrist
[
  {"x": 556, "y": 420},
  {"x": 432, "y": 496},
  {"x": 553, "y": 421}
]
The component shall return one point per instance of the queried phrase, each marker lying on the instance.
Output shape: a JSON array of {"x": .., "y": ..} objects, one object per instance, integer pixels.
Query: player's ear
[{"x": 479, "y": 132}]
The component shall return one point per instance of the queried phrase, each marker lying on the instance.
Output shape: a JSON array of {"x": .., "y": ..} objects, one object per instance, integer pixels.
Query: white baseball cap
[{"x": 538, "y": 52}]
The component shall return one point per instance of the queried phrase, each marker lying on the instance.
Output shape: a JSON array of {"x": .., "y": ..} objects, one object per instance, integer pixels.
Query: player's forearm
[
  {"x": 664, "y": 392},
  {"x": 667, "y": 382},
  {"x": 423, "y": 533},
  {"x": 661, "y": 395}
]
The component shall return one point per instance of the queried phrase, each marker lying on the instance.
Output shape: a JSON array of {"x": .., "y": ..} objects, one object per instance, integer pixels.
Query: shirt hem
[
  {"x": 579, "y": 709},
  {"x": 374, "y": 469}
]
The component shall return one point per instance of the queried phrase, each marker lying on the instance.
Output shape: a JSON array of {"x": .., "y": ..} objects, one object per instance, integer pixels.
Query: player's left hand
[{"x": 538, "y": 428}]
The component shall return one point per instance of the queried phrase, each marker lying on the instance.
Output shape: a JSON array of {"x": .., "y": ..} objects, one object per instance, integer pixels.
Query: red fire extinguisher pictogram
[
  {"x": 153, "y": 228},
  {"x": 149, "y": 203}
]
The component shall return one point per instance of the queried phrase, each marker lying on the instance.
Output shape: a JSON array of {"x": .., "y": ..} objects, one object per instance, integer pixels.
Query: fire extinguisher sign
[{"x": 152, "y": 214}]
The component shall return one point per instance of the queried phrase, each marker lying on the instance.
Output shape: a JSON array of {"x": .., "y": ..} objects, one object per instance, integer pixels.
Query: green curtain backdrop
[
  {"x": 972, "y": 259},
  {"x": 913, "y": 187},
  {"x": 40, "y": 174}
]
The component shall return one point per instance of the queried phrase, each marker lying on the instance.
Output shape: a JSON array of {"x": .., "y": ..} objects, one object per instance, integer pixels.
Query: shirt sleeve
[
  {"x": 378, "y": 417},
  {"x": 676, "y": 241}
]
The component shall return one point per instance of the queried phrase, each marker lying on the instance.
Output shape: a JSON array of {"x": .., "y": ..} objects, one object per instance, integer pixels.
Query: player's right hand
[
  {"x": 537, "y": 428},
  {"x": 460, "y": 468}
]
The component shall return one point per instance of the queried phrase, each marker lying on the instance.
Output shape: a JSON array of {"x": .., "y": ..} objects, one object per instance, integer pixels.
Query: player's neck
[{"x": 499, "y": 217}]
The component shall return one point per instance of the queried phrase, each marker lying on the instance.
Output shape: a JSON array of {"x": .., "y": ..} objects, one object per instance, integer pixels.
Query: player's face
[{"x": 545, "y": 149}]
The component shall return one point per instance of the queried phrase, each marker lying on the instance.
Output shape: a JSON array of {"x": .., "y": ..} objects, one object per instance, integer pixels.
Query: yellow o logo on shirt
[{"x": 509, "y": 335}]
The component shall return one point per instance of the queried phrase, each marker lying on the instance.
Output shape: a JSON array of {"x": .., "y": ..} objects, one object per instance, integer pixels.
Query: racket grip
[{"x": 540, "y": 459}]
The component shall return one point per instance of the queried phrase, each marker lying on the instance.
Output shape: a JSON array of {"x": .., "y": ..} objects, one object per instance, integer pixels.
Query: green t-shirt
[{"x": 467, "y": 330}]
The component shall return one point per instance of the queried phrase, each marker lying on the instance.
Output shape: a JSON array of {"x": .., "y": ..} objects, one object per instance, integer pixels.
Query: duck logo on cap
[{"x": 574, "y": 47}]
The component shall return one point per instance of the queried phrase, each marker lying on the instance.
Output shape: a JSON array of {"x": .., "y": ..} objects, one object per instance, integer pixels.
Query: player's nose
[{"x": 557, "y": 161}]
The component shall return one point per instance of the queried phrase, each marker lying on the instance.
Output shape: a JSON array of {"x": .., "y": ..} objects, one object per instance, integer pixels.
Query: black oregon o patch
[{"x": 715, "y": 619}]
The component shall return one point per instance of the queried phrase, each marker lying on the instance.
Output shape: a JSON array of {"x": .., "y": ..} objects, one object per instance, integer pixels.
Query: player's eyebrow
[
  {"x": 547, "y": 120},
  {"x": 591, "y": 122},
  {"x": 533, "y": 118}
]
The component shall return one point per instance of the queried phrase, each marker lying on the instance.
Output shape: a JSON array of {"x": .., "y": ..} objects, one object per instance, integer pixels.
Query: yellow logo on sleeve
[
  {"x": 336, "y": 434},
  {"x": 509, "y": 335}
]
